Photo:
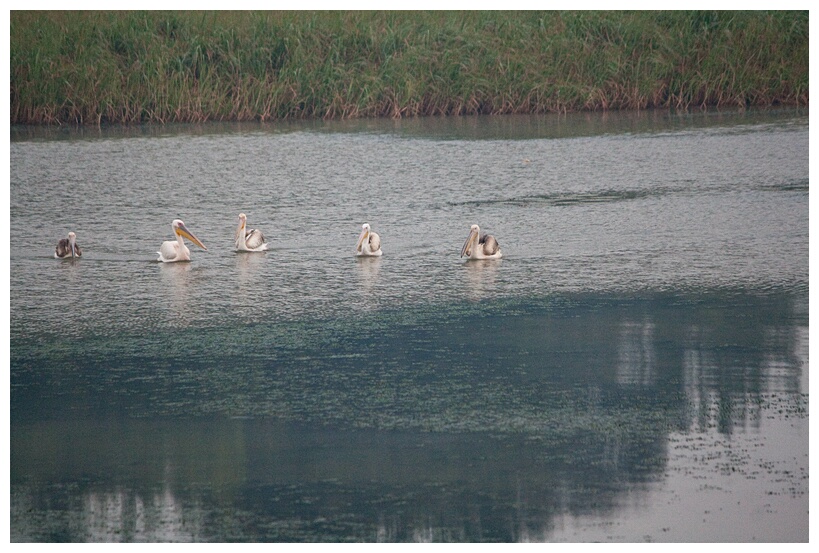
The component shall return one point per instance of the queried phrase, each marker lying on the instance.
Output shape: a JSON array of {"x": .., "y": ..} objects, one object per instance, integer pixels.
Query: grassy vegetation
[{"x": 134, "y": 67}]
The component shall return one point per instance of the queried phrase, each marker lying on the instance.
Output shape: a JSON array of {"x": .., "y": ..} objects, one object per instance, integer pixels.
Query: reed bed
[{"x": 136, "y": 67}]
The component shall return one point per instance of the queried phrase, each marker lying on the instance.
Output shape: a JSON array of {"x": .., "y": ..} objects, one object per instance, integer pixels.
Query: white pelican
[
  {"x": 171, "y": 251},
  {"x": 68, "y": 247},
  {"x": 478, "y": 246},
  {"x": 249, "y": 240},
  {"x": 369, "y": 243}
]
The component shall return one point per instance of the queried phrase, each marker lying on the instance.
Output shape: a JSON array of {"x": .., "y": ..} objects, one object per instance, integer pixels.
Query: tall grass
[{"x": 133, "y": 67}]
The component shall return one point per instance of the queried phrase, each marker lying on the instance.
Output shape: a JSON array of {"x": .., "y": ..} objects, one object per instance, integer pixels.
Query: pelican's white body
[
  {"x": 480, "y": 247},
  {"x": 172, "y": 251},
  {"x": 248, "y": 240},
  {"x": 369, "y": 243}
]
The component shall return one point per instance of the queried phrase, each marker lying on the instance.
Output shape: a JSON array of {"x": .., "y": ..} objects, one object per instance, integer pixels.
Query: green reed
[{"x": 134, "y": 67}]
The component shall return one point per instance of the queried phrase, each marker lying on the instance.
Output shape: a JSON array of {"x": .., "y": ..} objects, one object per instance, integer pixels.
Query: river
[{"x": 635, "y": 367}]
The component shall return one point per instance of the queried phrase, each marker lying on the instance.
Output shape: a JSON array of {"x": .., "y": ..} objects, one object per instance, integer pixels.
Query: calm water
[{"x": 634, "y": 369}]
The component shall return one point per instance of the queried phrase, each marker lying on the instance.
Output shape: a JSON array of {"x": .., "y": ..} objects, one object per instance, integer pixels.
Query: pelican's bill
[
  {"x": 467, "y": 249},
  {"x": 183, "y": 231}
]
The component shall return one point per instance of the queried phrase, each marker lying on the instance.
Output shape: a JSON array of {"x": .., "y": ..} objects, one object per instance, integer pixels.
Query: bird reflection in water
[
  {"x": 176, "y": 294},
  {"x": 481, "y": 278},
  {"x": 367, "y": 269}
]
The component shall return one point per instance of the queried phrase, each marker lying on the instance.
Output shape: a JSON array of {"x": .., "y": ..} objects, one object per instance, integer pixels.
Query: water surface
[{"x": 634, "y": 368}]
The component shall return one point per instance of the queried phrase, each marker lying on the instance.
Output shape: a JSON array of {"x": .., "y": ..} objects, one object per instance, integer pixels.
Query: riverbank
[{"x": 91, "y": 68}]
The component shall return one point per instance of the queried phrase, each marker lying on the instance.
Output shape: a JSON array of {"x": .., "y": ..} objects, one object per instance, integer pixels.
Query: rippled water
[{"x": 640, "y": 349}]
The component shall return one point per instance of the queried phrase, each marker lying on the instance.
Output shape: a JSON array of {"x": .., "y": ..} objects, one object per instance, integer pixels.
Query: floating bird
[
  {"x": 249, "y": 240},
  {"x": 480, "y": 246},
  {"x": 369, "y": 243},
  {"x": 171, "y": 251},
  {"x": 68, "y": 247}
]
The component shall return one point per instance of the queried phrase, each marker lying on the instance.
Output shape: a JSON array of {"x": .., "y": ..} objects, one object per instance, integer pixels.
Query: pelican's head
[
  {"x": 180, "y": 229},
  {"x": 365, "y": 234},
  {"x": 474, "y": 233}
]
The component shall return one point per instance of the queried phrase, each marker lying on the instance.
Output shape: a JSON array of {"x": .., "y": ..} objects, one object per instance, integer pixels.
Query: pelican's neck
[
  {"x": 240, "y": 235},
  {"x": 474, "y": 237},
  {"x": 181, "y": 242}
]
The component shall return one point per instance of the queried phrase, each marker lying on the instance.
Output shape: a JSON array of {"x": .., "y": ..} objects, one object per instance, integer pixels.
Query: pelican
[
  {"x": 369, "y": 243},
  {"x": 249, "y": 240},
  {"x": 68, "y": 247},
  {"x": 478, "y": 246},
  {"x": 171, "y": 251}
]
